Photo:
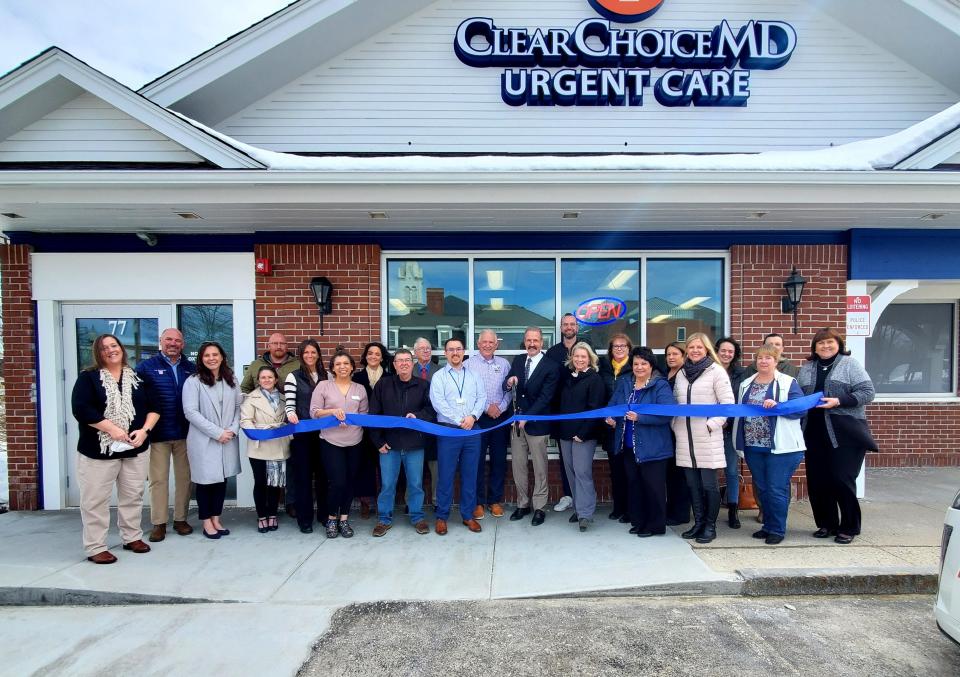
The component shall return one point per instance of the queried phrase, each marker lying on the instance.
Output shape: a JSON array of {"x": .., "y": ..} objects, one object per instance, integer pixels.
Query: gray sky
[{"x": 133, "y": 41}]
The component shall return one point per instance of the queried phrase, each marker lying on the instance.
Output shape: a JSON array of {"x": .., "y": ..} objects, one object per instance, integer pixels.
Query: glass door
[{"x": 137, "y": 327}]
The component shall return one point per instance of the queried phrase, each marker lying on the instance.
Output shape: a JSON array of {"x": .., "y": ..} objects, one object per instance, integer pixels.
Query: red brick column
[
  {"x": 757, "y": 274},
  {"x": 285, "y": 303},
  {"x": 19, "y": 375}
]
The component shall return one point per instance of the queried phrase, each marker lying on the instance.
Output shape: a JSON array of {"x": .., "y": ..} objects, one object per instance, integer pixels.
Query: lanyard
[{"x": 463, "y": 381}]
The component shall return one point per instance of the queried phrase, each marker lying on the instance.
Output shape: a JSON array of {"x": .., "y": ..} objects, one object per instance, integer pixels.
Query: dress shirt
[
  {"x": 456, "y": 394},
  {"x": 492, "y": 373},
  {"x": 173, "y": 367},
  {"x": 533, "y": 364}
]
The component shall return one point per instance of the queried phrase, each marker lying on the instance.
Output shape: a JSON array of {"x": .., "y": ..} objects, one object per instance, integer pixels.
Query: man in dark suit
[{"x": 534, "y": 379}]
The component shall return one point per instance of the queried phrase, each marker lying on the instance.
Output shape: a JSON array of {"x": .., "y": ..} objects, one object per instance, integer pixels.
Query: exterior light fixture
[
  {"x": 149, "y": 238},
  {"x": 794, "y": 286},
  {"x": 322, "y": 290}
]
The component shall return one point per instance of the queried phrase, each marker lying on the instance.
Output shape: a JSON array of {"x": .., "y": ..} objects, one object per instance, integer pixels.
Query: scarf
[
  {"x": 374, "y": 375},
  {"x": 119, "y": 409},
  {"x": 273, "y": 396},
  {"x": 693, "y": 370},
  {"x": 276, "y": 473},
  {"x": 618, "y": 366}
]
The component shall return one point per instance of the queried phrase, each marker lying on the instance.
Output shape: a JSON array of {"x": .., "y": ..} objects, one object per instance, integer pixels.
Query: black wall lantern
[
  {"x": 794, "y": 286},
  {"x": 322, "y": 291}
]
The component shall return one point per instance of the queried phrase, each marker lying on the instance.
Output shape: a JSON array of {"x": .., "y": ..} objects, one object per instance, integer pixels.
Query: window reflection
[
  {"x": 427, "y": 298},
  {"x": 911, "y": 350},
  {"x": 684, "y": 296},
  {"x": 511, "y": 295},
  {"x": 140, "y": 336},
  {"x": 206, "y": 322},
  {"x": 585, "y": 279}
]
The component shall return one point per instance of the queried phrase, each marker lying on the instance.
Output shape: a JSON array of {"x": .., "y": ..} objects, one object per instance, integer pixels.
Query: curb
[
  {"x": 857, "y": 581},
  {"x": 64, "y": 597}
]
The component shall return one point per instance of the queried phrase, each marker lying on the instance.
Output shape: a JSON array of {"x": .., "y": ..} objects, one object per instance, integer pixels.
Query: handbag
[{"x": 746, "y": 500}]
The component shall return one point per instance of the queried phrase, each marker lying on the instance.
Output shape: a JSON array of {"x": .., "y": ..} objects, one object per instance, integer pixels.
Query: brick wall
[
  {"x": 910, "y": 435},
  {"x": 19, "y": 376},
  {"x": 757, "y": 274}
]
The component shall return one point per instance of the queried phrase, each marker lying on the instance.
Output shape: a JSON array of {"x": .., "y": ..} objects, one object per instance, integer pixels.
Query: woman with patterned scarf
[
  {"x": 613, "y": 365},
  {"x": 263, "y": 409},
  {"x": 116, "y": 412}
]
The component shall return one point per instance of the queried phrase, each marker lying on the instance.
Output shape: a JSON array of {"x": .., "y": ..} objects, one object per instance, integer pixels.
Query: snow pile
[{"x": 869, "y": 155}]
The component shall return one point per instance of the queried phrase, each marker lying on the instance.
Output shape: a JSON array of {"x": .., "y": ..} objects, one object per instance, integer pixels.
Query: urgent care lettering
[{"x": 599, "y": 65}]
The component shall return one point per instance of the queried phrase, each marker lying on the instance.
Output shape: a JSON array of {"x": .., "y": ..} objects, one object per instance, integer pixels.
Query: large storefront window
[
  {"x": 585, "y": 279},
  {"x": 911, "y": 350},
  {"x": 206, "y": 322},
  {"x": 513, "y": 294},
  {"x": 140, "y": 336},
  {"x": 684, "y": 296},
  {"x": 426, "y": 298}
]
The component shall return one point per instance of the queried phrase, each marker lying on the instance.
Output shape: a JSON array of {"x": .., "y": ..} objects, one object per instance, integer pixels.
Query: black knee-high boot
[
  {"x": 696, "y": 502},
  {"x": 712, "y": 509}
]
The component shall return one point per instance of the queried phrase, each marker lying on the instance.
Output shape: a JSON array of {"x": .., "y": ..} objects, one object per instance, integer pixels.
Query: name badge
[
  {"x": 355, "y": 397},
  {"x": 460, "y": 400},
  {"x": 496, "y": 368}
]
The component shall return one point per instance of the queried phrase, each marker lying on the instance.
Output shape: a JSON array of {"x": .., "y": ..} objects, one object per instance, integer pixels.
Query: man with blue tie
[
  {"x": 458, "y": 397},
  {"x": 534, "y": 379}
]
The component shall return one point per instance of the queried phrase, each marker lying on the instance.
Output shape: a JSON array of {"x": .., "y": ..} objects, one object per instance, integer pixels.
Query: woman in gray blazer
[{"x": 211, "y": 403}]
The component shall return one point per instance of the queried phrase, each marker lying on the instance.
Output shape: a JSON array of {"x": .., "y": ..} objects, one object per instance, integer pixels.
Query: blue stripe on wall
[{"x": 877, "y": 254}]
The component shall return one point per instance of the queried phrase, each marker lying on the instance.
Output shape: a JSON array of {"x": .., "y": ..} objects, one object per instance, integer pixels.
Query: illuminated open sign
[{"x": 599, "y": 311}]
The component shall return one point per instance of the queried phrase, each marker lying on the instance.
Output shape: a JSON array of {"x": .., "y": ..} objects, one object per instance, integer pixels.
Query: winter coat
[
  {"x": 652, "y": 440},
  {"x": 785, "y": 430},
  {"x": 210, "y": 461},
  {"x": 393, "y": 397},
  {"x": 290, "y": 363},
  {"x": 700, "y": 440},
  {"x": 169, "y": 391},
  {"x": 258, "y": 412},
  {"x": 579, "y": 393},
  {"x": 849, "y": 382}
]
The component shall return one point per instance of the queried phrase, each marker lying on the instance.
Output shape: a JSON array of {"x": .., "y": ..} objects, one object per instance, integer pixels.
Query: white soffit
[{"x": 54, "y": 78}]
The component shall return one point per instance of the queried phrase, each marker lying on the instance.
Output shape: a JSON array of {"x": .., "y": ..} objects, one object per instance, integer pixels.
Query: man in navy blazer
[{"x": 534, "y": 379}]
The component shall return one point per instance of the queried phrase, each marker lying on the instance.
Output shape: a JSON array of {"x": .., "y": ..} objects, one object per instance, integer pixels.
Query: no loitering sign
[{"x": 858, "y": 315}]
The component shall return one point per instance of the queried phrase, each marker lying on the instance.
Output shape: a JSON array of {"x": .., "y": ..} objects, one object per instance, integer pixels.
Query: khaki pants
[
  {"x": 96, "y": 478},
  {"x": 160, "y": 453},
  {"x": 523, "y": 446}
]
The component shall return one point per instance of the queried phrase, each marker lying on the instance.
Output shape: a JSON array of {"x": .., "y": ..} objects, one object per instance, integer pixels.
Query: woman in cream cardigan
[
  {"x": 263, "y": 408},
  {"x": 701, "y": 380},
  {"x": 772, "y": 445}
]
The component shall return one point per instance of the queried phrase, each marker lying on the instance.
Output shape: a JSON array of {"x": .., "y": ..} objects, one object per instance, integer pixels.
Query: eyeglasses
[
  {"x": 453, "y": 350},
  {"x": 619, "y": 345},
  {"x": 402, "y": 360}
]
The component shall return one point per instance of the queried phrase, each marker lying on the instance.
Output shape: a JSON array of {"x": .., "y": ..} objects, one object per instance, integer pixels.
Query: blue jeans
[
  {"x": 733, "y": 467},
  {"x": 451, "y": 453},
  {"x": 390, "y": 462},
  {"x": 771, "y": 479}
]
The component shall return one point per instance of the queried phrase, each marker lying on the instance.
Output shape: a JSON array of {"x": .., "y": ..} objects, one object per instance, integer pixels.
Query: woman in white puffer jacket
[{"x": 702, "y": 380}]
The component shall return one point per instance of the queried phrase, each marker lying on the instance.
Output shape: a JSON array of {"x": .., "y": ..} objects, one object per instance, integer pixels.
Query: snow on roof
[{"x": 863, "y": 156}]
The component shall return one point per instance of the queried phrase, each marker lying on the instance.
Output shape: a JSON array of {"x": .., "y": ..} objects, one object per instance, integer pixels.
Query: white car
[{"x": 948, "y": 595}]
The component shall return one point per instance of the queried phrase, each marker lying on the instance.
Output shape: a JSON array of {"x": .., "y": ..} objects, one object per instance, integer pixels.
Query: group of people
[{"x": 660, "y": 466}]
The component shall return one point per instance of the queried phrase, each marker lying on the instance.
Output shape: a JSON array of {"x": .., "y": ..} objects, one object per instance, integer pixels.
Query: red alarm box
[{"x": 263, "y": 267}]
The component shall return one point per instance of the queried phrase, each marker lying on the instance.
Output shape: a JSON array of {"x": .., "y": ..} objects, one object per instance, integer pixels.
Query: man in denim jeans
[{"x": 400, "y": 394}]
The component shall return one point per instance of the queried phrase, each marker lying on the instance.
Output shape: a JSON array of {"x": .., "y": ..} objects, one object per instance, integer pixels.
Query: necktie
[
  {"x": 526, "y": 370},
  {"x": 423, "y": 372}
]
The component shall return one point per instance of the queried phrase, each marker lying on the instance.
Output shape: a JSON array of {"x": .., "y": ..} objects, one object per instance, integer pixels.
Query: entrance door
[{"x": 137, "y": 327}]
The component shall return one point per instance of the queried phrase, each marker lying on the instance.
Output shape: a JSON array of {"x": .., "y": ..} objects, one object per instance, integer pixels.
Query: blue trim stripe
[{"x": 877, "y": 254}]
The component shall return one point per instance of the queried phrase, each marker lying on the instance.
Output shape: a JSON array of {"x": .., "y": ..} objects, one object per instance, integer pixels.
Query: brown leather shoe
[
  {"x": 496, "y": 510},
  {"x": 473, "y": 525},
  {"x": 422, "y": 527},
  {"x": 381, "y": 529},
  {"x": 158, "y": 533},
  {"x": 105, "y": 557},
  {"x": 478, "y": 513},
  {"x": 182, "y": 528},
  {"x": 138, "y": 547},
  {"x": 441, "y": 527},
  {"x": 364, "y": 510}
]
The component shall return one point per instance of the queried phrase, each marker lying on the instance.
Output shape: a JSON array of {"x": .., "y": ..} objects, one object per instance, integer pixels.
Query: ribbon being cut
[{"x": 670, "y": 410}]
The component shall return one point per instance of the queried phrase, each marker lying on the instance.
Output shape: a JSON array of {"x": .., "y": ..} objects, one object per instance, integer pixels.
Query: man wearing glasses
[{"x": 458, "y": 398}]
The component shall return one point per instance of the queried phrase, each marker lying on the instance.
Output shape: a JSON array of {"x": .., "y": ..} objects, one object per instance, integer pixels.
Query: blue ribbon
[{"x": 797, "y": 406}]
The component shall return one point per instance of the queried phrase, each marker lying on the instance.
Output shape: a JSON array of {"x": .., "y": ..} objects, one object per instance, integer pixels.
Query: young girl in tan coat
[{"x": 702, "y": 380}]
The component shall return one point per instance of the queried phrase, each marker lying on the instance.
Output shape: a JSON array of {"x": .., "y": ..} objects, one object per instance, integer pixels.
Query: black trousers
[
  {"x": 704, "y": 486},
  {"x": 210, "y": 499},
  {"x": 832, "y": 484},
  {"x": 678, "y": 494},
  {"x": 365, "y": 481},
  {"x": 310, "y": 478},
  {"x": 618, "y": 482},
  {"x": 341, "y": 464},
  {"x": 265, "y": 497},
  {"x": 647, "y": 492}
]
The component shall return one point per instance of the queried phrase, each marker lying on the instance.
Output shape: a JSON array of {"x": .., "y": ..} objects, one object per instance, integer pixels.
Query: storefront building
[{"x": 455, "y": 165}]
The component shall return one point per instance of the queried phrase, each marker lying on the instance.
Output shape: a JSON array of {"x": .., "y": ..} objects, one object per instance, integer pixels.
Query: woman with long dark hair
[
  {"x": 613, "y": 365},
  {"x": 836, "y": 434},
  {"x": 728, "y": 352},
  {"x": 340, "y": 446},
  {"x": 310, "y": 479},
  {"x": 678, "y": 495},
  {"x": 116, "y": 412},
  {"x": 211, "y": 403},
  {"x": 375, "y": 361}
]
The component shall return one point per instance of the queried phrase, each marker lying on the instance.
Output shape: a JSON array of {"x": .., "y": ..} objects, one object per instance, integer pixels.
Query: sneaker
[
  {"x": 478, "y": 513},
  {"x": 345, "y": 529},
  {"x": 563, "y": 504},
  {"x": 332, "y": 531},
  {"x": 496, "y": 510}
]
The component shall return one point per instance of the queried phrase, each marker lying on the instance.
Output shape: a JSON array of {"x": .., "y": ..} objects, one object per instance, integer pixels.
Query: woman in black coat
[
  {"x": 375, "y": 361},
  {"x": 581, "y": 390},
  {"x": 613, "y": 365},
  {"x": 728, "y": 350}
]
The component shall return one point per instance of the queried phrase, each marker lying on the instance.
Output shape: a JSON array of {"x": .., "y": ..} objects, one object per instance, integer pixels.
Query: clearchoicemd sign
[{"x": 598, "y": 64}]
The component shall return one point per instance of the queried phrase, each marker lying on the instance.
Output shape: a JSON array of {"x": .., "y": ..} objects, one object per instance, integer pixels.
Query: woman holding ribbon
[
  {"x": 613, "y": 365},
  {"x": 836, "y": 433},
  {"x": 701, "y": 380},
  {"x": 772, "y": 445},
  {"x": 645, "y": 442},
  {"x": 263, "y": 409},
  {"x": 341, "y": 445},
  {"x": 678, "y": 495}
]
